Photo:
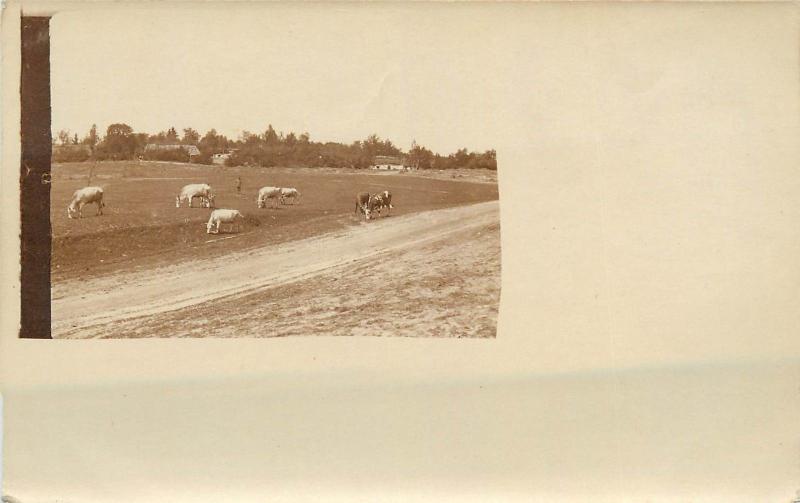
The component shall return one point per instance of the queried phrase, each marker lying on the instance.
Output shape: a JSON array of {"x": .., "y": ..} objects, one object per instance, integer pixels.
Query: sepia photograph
[
  {"x": 207, "y": 180},
  {"x": 239, "y": 239}
]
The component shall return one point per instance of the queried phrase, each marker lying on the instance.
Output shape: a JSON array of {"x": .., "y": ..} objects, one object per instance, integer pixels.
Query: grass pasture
[{"x": 141, "y": 227}]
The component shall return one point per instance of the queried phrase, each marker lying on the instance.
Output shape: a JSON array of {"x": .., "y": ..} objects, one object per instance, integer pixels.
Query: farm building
[
  {"x": 220, "y": 158},
  {"x": 192, "y": 150},
  {"x": 386, "y": 162}
]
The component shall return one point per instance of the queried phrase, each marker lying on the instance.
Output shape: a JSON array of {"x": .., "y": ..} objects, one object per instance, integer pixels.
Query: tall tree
[
  {"x": 172, "y": 136},
  {"x": 92, "y": 137},
  {"x": 63, "y": 137},
  {"x": 210, "y": 141},
  {"x": 190, "y": 137},
  {"x": 420, "y": 157},
  {"x": 270, "y": 136},
  {"x": 249, "y": 138},
  {"x": 119, "y": 141}
]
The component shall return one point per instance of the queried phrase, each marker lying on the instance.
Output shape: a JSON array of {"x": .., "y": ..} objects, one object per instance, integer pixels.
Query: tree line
[{"x": 270, "y": 148}]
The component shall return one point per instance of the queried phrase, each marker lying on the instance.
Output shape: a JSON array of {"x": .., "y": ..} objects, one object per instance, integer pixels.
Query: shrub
[{"x": 71, "y": 153}]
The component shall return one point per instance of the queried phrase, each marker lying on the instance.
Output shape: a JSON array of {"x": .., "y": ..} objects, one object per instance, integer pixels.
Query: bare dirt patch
[
  {"x": 444, "y": 289},
  {"x": 429, "y": 274}
]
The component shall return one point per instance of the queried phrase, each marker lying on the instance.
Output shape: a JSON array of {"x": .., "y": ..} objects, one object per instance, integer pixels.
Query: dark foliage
[
  {"x": 71, "y": 153},
  {"x": 271, "y": 148}
]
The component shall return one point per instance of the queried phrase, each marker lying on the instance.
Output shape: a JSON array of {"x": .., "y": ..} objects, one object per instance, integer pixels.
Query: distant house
[
  {"x": 387, "y": 162},
  {"x": 220, "y": 158},
  {"x": 192, "y": 150}
]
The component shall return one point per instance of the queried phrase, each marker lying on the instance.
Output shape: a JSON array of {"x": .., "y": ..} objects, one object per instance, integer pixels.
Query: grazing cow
[
  {"x": 84, "y": 196},
  {"x": 376, "y": 204},
  {"x": 387, "y": 199},
  {"x": 362, "y": 204},
  {"x": 289, "y": 193},
  {"x": 380, "y": 201},
  {"x": 219, "y": 217},
  {"x": 201, "y": 190},
  {"x": 265, "y": 193}
]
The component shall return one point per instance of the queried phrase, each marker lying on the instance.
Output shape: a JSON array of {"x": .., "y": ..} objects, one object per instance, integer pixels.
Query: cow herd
[{"x": 369, "y": 205}]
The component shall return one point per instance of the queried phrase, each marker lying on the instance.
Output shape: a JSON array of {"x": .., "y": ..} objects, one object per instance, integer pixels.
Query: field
[
  {"x": 143, "y": 266},
  {"x": 141, "y": 226}
]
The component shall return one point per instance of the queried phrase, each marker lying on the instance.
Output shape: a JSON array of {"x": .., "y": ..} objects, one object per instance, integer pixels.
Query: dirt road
[{"x": 96, "y": 307}]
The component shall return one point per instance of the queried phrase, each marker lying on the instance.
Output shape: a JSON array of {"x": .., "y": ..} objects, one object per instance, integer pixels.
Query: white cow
[
  {"x": 221, "y": 216},
  {"x": 201, "y": 190},
  {"x": 290, "y": 193},
  {"x": 84, "y": 196},
  {"x": 265, "y": 193}
]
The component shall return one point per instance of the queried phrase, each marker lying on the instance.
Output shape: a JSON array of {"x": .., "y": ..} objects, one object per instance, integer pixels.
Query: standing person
[{"x": 238, "y": 184}]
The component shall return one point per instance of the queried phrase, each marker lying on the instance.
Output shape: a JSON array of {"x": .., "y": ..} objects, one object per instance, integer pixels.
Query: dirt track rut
[{"x": 79, "y": 304}]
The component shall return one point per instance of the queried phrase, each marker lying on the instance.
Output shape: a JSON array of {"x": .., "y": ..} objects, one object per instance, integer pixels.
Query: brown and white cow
[
  {"x": 380, "y": 201},
  {"x": 84, "y": 196},
  {"x": 362, "y": 204},
  {"x": 387, "y": 199}
]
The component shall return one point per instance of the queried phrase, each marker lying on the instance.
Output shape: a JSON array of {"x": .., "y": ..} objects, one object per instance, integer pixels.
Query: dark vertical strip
[{"x": 35, "y": 172}]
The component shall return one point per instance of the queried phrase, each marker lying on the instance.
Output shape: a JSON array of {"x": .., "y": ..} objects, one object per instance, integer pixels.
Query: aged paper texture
[{"x": 647, "y": 344}]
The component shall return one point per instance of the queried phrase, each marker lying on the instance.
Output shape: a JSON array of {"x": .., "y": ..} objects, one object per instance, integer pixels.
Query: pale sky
[{"x": 340, "y": 72}]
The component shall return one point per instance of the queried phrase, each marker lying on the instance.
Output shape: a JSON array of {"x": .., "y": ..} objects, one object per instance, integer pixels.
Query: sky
[{"x": 340, "y": 72}]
